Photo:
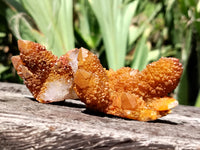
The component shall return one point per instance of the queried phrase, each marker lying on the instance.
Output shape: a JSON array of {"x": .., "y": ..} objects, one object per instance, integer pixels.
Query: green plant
[
  {"x": 87, "y": 31},
  {"x": 50, "y": 22},
  {"x": 143, "y": 54},
  {"x": 7, "y": 49},
  {"x": 114, "y": 19},
  {"x": 188, "y": 90}
]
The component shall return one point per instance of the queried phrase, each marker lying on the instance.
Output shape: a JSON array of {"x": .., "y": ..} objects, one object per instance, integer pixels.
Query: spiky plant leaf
[{"x": 114, "y": 17}]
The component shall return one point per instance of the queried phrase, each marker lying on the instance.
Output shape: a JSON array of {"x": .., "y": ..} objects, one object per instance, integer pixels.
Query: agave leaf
[
  {"x": 50, "y": 22},
  {"x": 183, "y": 88},
  {"x": 140, "y": 59},
  {"x": 19, "y": 22},
  {"x": 87, "y": 31},
  {"x": 114, "y": 18},
  {"x": 136, "y": 31},
  {"x": 54, "y": 20}
]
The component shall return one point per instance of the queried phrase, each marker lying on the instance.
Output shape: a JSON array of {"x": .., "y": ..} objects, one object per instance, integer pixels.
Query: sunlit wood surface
[{"x": 27, "y": 124}]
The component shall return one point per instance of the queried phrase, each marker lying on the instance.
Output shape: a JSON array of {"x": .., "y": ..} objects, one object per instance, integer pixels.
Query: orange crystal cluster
[
  {"x": 127, "y": 92},
  {"x": 43, "y": 73},
  {"x": 140, "y": 95}
]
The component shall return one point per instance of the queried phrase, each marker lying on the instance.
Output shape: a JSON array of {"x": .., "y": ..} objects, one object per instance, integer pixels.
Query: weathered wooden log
[{"x": 27, "y": 124}]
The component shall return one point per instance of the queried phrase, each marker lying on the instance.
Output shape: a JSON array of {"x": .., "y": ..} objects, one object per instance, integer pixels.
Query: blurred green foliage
[{"x": 121, "y": 32}]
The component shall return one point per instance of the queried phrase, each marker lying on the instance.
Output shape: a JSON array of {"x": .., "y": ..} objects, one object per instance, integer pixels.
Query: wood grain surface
[{"x": 27, "y": 124}]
